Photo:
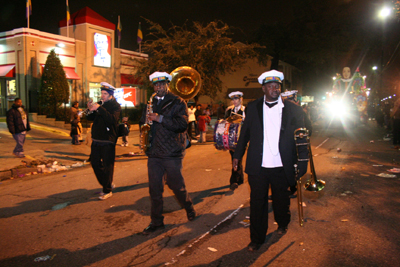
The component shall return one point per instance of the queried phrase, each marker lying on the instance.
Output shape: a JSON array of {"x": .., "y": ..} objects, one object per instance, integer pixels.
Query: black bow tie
[{"x": 270, "y": 105}]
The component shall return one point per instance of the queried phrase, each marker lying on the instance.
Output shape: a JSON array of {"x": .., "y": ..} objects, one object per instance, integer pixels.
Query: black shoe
[
  {"x": 253, "y": 246},
  {"x": 234, "y": 186},
  {"x": 191, "y": 215},
  {"x": 152, "y": 228},
  {"x": 282, "y": 230}
]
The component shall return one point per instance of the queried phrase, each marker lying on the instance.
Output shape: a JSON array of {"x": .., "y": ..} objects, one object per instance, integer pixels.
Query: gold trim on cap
[{"x": 272, "y": 79}]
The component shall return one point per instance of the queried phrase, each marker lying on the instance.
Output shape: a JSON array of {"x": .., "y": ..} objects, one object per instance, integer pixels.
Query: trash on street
[{"x": 386, "y": 175}]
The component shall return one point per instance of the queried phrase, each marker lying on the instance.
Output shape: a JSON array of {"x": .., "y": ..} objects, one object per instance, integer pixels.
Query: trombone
[{"x": 313, "y": 184}]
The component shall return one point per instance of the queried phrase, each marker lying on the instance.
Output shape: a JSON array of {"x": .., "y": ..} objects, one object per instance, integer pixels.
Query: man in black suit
[{"x": 269, "y": 127}]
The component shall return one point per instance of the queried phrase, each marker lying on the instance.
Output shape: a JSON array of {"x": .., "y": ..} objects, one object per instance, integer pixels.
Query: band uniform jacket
[
  {"x": 253, "y": 129},
  {"x": 105, "y": 121},
  {"x": 168, "y": 138},
  {"x": 229, "y": 110}
]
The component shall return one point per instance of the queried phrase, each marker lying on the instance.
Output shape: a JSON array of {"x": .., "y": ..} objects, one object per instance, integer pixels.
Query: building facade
[{"x": 87, "y": 52}]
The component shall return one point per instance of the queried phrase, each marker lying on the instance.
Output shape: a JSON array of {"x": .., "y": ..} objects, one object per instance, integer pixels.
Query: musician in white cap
[
  {"x": 105, "y": 116},
  {"x": 269, "y": 129},
  {"x": 238, "y": 110},
  {"x": 167, "y": 148}
]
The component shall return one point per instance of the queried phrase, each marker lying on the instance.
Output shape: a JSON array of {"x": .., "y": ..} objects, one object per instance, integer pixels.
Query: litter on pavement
[
  {"x": 386, "y": 175},
  {"x": 245, "y": 222},
  {"x": 212, "y": 249},
  {"x": 44, "y": 258}
]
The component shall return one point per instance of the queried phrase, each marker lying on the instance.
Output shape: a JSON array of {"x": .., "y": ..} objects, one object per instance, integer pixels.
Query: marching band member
[
  {"x": 166, "y": 151},
  {"x": 104, "y": 137},
  {"x": 269, "y": 130},
  {"x": 236, "y": 109}
]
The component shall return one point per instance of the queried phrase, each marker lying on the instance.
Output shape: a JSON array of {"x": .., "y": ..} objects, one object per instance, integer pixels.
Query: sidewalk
[{"x": 57, "y": 148}]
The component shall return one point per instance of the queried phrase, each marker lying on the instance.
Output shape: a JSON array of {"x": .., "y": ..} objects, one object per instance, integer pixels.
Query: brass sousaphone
[{"x": 186, "y": 82}]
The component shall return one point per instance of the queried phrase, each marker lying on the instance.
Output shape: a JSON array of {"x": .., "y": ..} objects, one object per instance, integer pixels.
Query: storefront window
[
  {"x": 11, "y": 89},
  {"x": 94, "y": 92}
]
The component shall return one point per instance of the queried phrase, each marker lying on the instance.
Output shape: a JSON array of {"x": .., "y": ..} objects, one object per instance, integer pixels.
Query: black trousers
[
  {"x": 236, "y": 176},
  {"x": 102, "y": 158},
  {"x": 166, "y": 171},
  {"x": 259, "y": 185},
  {"x": 192, "y": 126}
]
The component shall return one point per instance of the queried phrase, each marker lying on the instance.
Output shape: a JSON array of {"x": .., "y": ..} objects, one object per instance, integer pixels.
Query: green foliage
[
  {"x": 207, "y": 49},
  {"x": 54, "y": 86}
]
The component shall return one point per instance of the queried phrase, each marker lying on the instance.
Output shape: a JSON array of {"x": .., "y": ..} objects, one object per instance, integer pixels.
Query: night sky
[{"x": 243, "y": 17}]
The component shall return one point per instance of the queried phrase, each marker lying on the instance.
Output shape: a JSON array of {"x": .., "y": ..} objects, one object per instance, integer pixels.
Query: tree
[
  {"x": 207, "y": 49},
  {"x": 54, "y": 89}
]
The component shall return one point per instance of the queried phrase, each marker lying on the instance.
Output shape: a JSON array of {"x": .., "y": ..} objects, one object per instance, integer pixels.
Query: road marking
[
  {"x": 234, "y": 213},
  {"x": 322, "y": 143}
]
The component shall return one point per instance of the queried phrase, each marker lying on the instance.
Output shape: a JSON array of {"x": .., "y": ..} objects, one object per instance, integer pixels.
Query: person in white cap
[
  {"x": 237, "y": 175},
  {"x": 269, "y": 127},
  {"x": 105, "y": 116},
  {"x": 166, "y": 151}
]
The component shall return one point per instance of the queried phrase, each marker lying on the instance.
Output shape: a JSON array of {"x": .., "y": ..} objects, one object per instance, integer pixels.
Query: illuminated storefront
[{"x": 88, "y": 56}]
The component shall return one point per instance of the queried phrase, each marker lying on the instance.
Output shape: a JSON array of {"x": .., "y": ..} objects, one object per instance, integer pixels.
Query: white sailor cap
[
  {"x": 159, "y": 77},
  {"x": 236, "y": 94},
  {"x": 289, "y": 93},
  {"x": 107, "y": 87},
  {"x": 271, "y": 76}
]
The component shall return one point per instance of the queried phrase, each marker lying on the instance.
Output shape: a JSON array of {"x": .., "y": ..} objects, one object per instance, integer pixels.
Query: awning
[
  {"x": 71, "y": 74},
  {"x": 7, "y": 71},
  {"x": 129, "y": 79}
]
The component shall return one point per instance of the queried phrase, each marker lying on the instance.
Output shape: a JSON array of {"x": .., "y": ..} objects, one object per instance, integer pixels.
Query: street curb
[{"x": 5, "y": 175}]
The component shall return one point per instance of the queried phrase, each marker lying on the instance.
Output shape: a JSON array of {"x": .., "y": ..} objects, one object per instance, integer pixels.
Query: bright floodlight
[
  {"x": 385, "y": 12},
  {"x": 374, "y": 67}
]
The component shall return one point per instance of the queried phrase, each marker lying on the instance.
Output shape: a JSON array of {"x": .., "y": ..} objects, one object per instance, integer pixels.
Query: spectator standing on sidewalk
[
  {"x": 203, "y": 120},
  {"x": 18, "y": 125},
  {"x": 123, "y": 130},
  {"x": 396, "y": 124},
  {"x": 192, "y": 122},
  {"x": 75, "y": 110},
  {"x": 75, "y": 129}
]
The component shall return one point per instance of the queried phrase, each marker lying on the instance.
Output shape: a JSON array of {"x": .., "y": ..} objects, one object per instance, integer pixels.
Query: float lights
[
  {"x": 61, "y": 45},
  {"x": 333, "y": 78},
  {"x": 385, "y": 12},
  {"x": 374, "y": 67}
]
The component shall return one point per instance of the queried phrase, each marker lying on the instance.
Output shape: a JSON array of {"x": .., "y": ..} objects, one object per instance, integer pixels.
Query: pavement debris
[
  {"x": 212, "y": 249},
  {"x": 394, "y": 170},
  {"x": 386, "y": 175},
  {"x": 44, "y": 258}
]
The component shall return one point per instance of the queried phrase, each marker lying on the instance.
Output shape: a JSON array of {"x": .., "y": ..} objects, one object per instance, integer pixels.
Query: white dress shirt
[{"x": 272, "y": 119}]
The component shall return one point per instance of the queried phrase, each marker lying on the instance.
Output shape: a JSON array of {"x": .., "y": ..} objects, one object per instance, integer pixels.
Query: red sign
[{"x": 130, "y": 95}]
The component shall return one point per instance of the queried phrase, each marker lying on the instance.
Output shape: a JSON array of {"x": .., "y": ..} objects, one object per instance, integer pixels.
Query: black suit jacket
[{"x": 252, "y": 131}]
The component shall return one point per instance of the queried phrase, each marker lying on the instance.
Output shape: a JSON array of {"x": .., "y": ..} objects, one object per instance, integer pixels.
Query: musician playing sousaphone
[{"x": 235, "y": 114}]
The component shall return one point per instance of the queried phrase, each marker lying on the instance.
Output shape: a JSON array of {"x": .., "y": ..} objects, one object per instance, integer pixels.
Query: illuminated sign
[
  {"x": 126, "y": 97},
  {"x": 102, "y": 50}
]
